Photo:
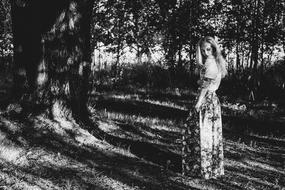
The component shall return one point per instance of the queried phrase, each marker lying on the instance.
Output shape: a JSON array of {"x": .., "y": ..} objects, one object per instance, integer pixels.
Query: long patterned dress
[{"x": 202, "y": 149}]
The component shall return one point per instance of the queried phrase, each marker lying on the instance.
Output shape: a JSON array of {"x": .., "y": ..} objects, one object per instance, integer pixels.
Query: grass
[{"x": 138, "y": 147}]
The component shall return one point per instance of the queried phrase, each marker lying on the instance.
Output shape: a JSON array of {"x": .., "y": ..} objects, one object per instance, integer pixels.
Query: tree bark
[{"x": 52, "y": 51}]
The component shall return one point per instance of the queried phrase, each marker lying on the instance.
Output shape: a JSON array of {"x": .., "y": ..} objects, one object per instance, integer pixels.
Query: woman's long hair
[{"x": 221, "y": 62}]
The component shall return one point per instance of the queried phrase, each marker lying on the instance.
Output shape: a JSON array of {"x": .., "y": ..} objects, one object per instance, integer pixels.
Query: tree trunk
[
  {"x": 238, "y": 58},
  {"x": 52, "y": 49},
  {"x": 255, "y": 40}
]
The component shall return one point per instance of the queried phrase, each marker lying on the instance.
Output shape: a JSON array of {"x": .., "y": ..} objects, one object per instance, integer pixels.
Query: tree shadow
[
  {"x": 150, "y": 134},
  {"x": 152, "y": 168},
  {"x": 67, "y": 176},
  {"x": 155, "y": 163},
  {"x": 248, "y": 129},
  {"x": 136, "y": 107},
  {"x": 240, "y": 130},
  {"x": 149, "y": 151},
  {"x": 154, "y": 153},
  {"x": 115, "y": 166}
]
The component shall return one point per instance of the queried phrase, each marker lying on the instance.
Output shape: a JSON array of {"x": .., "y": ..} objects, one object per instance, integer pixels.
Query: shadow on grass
[
  {"x": 151, "y": 134},
  {"x": 97, "y": 162},
  {"x": 152, "y": 169},
  {"x": 154, "y": 153},
  {"x": 235, "y": 124},
  {"x": 135, "y": 107},
  {"x": 88, "y": 167},
  {"x": 260, "y": 130}
]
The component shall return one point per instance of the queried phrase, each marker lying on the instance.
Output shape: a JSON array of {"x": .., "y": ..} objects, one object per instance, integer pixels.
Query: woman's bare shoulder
[
  {"x": 211, "y": 70},
  {"x": 209, "y": 61}
]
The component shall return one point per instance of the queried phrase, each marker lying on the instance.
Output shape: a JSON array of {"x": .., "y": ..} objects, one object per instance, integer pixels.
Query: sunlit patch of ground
[{"x": 139, "y": 149}]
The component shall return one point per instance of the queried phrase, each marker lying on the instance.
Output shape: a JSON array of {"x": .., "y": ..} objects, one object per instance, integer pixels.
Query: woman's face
[{"x": 206, "y": 49}]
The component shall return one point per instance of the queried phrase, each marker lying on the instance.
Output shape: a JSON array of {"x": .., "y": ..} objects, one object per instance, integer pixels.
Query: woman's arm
[
  {"x": 210, "y": 74},
  {"x": 201, "y": 96},
  {"x": 204, "y": 84}
]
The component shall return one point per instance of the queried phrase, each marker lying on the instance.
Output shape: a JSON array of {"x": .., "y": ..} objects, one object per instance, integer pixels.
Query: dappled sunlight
[
  {"x": 251, "y": 161},
  {"x": 263, "y": 166},
  {"x": 151, "y": 101},
  {"x": 163, "y": 132},
  {"x": 99, "y": 94},
  {"x": 134, "y": 152},
  {"x": 135, "y": 173},
  {"x": 74, "y": 134},
  {"x": 250, "y": 181},
  {"x": 10, "y": 153},
  {"x": 138, "y": 147},
  {"x": 47, "y": 170},
  {"x": 257, "y": 170},
  {"x": 114, "y": 129},
  {"x": 80, "y": 135},
  {"x": 167, "y": 127},
  {"x": 139, "y": 108},
  {"x": 155, "y": 123},
  {"x": 56, "y": 161},
  {"x": 107, "y": 127}
]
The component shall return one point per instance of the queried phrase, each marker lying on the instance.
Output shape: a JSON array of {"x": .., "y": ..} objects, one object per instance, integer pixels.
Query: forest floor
[{"x": 139, "y": 146}]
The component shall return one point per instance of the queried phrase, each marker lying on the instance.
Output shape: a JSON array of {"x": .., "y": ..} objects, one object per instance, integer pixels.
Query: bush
[
  {"x": 160, "y": 77},
  {"x": 273, "y": 83}
]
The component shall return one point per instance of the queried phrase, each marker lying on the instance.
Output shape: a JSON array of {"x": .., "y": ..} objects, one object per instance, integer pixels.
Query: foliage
[
  {"x": 273, "y": 85},
  {"x": 6, "y": 48},
  {"x": 5, "y": 34},
  {"x": 251, "y": 34},
  {"x": 143, "y": 75}
]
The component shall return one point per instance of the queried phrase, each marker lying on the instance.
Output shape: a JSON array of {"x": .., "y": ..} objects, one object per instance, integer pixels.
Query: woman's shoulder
[
  {"x": 210, "y": 60},
  {"x": 211, "y": 70},
  {"x": 210, "y": 63}
]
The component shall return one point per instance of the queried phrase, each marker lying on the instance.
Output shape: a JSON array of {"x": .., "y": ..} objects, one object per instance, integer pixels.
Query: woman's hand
[
  {"x": 202, "y": 94},
  {"x": 198, "y": 106},
  {"x": 200, "y": 82}
]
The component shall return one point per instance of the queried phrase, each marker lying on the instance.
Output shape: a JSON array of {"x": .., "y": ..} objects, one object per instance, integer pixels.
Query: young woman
[{"x": 202, "y": 140}]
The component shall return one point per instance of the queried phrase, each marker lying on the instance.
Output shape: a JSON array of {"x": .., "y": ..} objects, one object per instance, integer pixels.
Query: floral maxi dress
[{"x": 202, "y": 149}]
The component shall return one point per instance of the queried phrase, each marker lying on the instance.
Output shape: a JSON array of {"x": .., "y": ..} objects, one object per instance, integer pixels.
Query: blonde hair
[{"x": 221, "y": 62}]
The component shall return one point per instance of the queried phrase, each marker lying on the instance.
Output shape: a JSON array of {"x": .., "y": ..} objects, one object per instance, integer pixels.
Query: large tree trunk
[{"x": 52, "y": 49}]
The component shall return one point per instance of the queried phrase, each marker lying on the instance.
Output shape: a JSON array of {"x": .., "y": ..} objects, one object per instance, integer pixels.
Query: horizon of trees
[
  {"x": 248, "y": 29},
  {"x": 250, "y": 32}
]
